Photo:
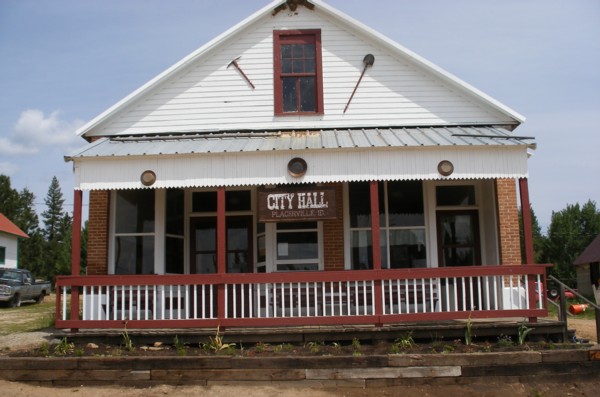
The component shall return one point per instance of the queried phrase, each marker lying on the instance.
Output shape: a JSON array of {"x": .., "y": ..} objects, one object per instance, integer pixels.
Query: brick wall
[
  {"x": 97, "y": 249},
  {"x": 333, "y": 236},
  {"x": 508, "y": 222}
]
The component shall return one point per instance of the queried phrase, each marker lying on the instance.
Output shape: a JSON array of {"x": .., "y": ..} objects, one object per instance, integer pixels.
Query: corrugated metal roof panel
[{"x": 300, "y": 140}]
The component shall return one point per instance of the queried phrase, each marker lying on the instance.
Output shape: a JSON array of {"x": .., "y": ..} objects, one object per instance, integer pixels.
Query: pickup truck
[{"x": 18, "y": 285}]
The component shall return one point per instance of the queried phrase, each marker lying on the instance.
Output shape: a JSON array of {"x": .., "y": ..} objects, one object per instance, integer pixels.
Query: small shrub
[
  {"x": 356, "y": 345},
  {"x": 217, "y": 345},
  {"x": 180, "y": 346},
  {"x": 523, "y": 331},
  {"x": 260, "y": 347},
  {"x": 505, "y": 341},
  {"x": 64, "y": 347},
  {"x": 314, "y": 347},
  {"x": 45, "y": 349}
]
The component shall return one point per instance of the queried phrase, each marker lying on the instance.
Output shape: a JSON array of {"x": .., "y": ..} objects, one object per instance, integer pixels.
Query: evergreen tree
[
  {"x": 57, "y": 233},
  {"x": 571, "y": 231},
  {"x": 54, "y": 213}
]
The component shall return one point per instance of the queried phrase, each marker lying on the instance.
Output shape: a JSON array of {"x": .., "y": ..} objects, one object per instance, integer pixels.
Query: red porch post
[
  {"x": 526, "y": 217},
  {"x": 221, "y": 250},
  {"x": 75, "y": 253},
  {"x": 528, "y": 237},
  {"x": 376, "y": 244}
]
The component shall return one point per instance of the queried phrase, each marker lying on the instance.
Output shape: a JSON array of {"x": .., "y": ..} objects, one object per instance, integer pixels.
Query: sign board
[{"x": 292, "y": 204}]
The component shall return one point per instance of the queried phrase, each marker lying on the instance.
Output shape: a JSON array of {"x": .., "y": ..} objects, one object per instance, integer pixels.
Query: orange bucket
[{"x": 578, "y": 309}]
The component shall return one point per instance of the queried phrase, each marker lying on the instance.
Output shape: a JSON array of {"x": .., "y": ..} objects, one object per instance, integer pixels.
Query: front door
[
  {"x": 203, "y": 258},
  {"x": 458, "y": 238},
  {"x": 458, "y": 245}
]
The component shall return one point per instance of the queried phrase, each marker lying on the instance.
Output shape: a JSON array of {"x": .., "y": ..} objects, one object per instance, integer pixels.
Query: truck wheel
[
  {"x": 15, "y": 301},
  {"x": 40, "y": 297}
]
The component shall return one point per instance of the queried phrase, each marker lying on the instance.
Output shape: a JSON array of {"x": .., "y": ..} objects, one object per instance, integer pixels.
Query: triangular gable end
[
  {"x": 6, "y": 226},
  {"x": 205, "y": 93}
]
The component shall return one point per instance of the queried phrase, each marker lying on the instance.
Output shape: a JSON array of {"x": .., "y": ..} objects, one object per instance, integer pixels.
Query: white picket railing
[{"x": 310, "y": 299}]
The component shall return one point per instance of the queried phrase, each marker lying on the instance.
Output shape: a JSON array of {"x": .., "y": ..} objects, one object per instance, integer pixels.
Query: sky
[{"x": 63, "y": 62}]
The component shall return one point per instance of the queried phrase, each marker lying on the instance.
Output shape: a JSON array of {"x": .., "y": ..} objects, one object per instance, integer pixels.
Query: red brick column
[
  {"x": 97, "y": 243},
  {"x": 333, "y": 235},
  {"x": 508, "y": 222}
]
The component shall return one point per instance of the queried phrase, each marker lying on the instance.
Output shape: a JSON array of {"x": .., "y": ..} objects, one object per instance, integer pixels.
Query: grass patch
[{"x": 27, "y": 318}]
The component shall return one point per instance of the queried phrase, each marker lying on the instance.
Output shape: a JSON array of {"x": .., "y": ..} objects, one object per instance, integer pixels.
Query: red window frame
[{"x": 306, "y": 36}]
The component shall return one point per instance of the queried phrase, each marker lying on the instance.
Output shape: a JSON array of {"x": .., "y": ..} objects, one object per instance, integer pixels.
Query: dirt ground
[{"x": 543, "y": 387}]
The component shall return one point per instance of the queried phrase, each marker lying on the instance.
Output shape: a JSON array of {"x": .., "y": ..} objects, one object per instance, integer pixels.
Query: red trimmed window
[{"x": 298, "y": 72}]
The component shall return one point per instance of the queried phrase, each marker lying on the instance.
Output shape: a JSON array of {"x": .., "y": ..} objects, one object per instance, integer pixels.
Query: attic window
[{"x": 298, "y": 72}]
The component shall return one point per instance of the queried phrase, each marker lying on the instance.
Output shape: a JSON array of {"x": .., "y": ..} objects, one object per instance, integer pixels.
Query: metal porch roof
[{"x": 230, "y": 142}]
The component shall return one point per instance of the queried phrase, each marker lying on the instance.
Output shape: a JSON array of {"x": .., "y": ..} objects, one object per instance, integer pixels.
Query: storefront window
[
  {"x": 402, "y": 225},
  {"x": 134, "y": 232},
  {"x": 297, "y": 246}
]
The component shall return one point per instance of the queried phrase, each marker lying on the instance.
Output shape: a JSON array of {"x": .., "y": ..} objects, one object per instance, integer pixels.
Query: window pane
[
  {"x": 204, "y": 202},
  {"x": 297, "y": 66},
  {"x": 174, "y": 212},
  {"x": 455, "y": 195},
  {"x": 134, "y": 211},
  {"x": 360, "y": 204},
  {"x": 297, "y": 50},
  {"x": 405, "y": 203},
  {"x": 362, "y": 257},
  {"x": 2, "y": 255},
  {"x": 205, "y": 263},
  {"x": 297, "y": 245},
  {"x": 286, "y": 66},
  {"x": 308, "y": 94},
  {"x": 298, "y": 267},
  {"x": 174, "y": 255},
  {"x": 407, "y": 248},
  {"x": 290, "y": 94},
  {"x": 237, "y": 200},
  {"x": 134, "y": 255},
  {"x": 309, "y": 51},
  {"x": 296, "y": 225},
  {"x": 286, "y": 51}
]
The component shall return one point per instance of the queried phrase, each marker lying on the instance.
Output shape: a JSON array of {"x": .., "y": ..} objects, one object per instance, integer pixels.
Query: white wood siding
[
  {"x": 207, "y": 95},
  {"x": 324, "y": 166},
  {"x": 9, "y": 242}
]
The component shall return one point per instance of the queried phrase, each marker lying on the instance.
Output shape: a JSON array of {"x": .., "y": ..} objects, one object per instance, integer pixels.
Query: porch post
[
  {"x": 526, "y": 217},
  {"x": 376, "y": 246},
  {"x": 221, "y": 248},
  {"x": 375, "y": 235},
  {"x": 76, "y": 234},
  {"x": 75, "y": 253},
  {"x": 528, "y": 237}
]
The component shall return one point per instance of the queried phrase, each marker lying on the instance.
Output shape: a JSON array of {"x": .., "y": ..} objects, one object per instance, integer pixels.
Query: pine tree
[
  {"x": 53, "y": 215},
  {"x": 57, "y": 233}
]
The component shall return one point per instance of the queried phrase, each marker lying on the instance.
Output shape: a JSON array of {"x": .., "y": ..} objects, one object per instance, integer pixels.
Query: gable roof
[
  {"x": 337, "y": 17},
  {"x": 591, "y": 254},
  {"x": 8, "y": 227}
]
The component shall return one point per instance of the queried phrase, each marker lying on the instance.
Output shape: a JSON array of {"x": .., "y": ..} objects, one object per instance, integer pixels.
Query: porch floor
[{"x": 544, "y": 329}]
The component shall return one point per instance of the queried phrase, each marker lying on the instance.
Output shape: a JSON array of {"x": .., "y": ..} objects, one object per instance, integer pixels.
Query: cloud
[
  {"x": 7, "y": 168},
  {"x": 34, "y": 131}
]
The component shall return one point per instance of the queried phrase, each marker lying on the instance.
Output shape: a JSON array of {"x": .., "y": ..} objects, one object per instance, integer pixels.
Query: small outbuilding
[
  {"x": 9, "y": 242},
  {"x": 588, "y": 270}
]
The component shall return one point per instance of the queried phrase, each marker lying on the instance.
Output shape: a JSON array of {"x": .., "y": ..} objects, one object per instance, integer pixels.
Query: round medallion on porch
[
  {"x": 148, "y": 178},
  {"x": 297, "y": 167},
  {"x": 445, "y": 168}
]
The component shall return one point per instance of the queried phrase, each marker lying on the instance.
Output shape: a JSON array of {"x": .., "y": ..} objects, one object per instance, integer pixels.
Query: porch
[{"x": 366, "y": 297}]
